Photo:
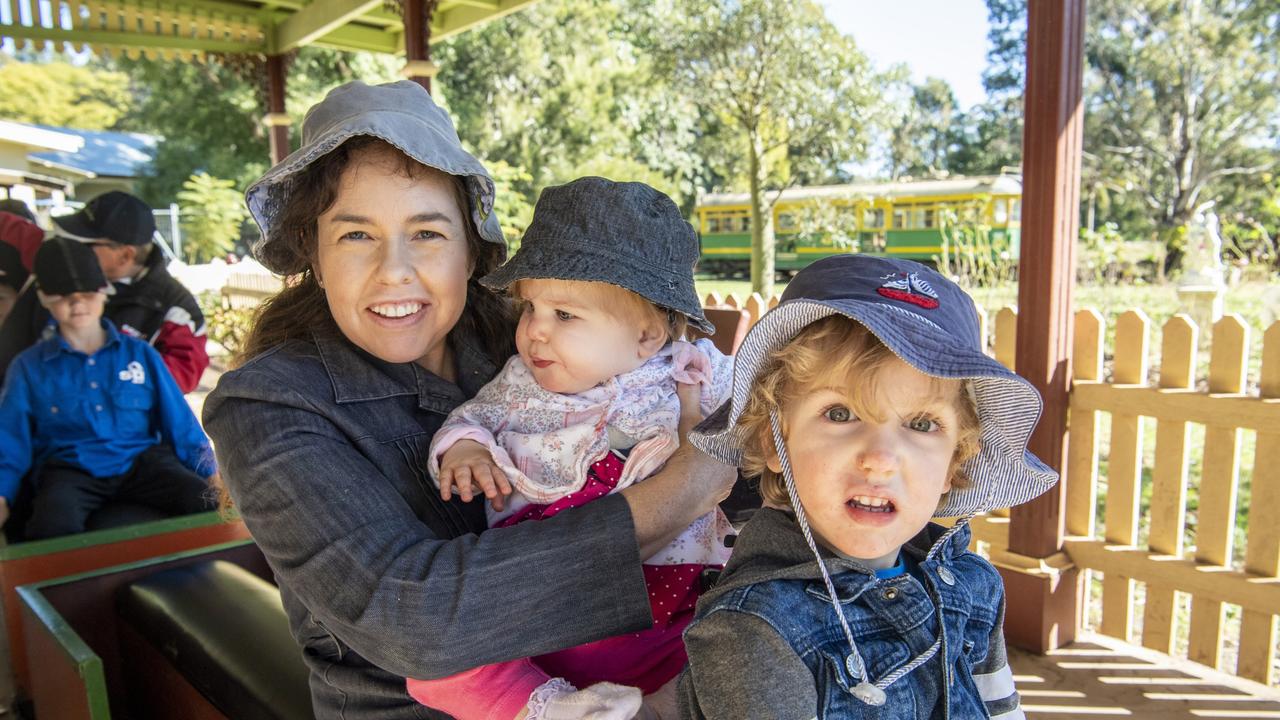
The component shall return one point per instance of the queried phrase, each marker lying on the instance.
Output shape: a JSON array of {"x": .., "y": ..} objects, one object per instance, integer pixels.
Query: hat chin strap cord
[{"x": 869, "y": 692}]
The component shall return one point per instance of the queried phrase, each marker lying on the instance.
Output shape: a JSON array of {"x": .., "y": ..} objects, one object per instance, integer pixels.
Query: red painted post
[
  {"x": 277, "y": 120},
  {"x": 417, "y": 41},
  {"x": 1051, "y": 149}
]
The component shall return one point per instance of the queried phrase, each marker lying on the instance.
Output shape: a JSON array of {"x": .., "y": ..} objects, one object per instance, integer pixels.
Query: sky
[{"x": 938, "y": 38}]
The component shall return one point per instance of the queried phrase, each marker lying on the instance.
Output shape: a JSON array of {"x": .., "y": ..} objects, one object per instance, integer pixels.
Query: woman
[{"x": 322, "y": 433}]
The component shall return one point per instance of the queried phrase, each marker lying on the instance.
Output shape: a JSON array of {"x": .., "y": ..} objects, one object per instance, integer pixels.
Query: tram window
[
  {"x": 1016, "y": 213},
  {"x": 1001, "y": 213},
  {"x": 873, "y": 218},
  {"x": 899, "y": 219},
  {"x": 786, "y": 221},
  {"x": 928, "y": 216},
  {"x": 713, "y": 224}
]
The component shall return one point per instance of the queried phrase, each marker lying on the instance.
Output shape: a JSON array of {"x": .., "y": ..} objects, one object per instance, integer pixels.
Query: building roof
[
  {"x": 978, "y": 184},
  {"x": 38, "y": 138},
  {"x": 102, "y": 154}
]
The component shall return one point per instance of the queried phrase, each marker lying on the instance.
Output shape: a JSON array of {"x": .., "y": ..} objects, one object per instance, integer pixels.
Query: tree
[
  {"x": 63, "y": 95},
  {"x": 560, "y": 90},
  {"x": 209, "y": 114},
  {"x": 1183, "y": 94},
  {"x": 989, "y": 136},
  {"x": 212, "y": 211},
  {"x": 798, "y": 95},
  {"x": 922, "y": 142}
]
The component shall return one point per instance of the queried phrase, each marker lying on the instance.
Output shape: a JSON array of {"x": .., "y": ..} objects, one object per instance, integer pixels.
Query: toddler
[
  {"x": 588, "y": 407},
  {"x": 866, "y": 405}
]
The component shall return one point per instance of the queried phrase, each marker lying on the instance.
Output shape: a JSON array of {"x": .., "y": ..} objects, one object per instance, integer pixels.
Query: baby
[{"x": 588, "y": 407}]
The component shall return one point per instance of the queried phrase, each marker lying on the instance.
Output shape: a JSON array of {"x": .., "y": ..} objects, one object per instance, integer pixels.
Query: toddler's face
[
  {"x": 869, "y": 484},
  {"x": 568, "y": 339}
]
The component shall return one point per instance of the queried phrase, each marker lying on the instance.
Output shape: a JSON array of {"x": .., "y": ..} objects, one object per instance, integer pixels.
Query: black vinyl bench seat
[{"x": 224, "y": 630}]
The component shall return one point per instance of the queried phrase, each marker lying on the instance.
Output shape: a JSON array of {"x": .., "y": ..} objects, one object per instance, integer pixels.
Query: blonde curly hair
[{"x": 832, "y": 351}]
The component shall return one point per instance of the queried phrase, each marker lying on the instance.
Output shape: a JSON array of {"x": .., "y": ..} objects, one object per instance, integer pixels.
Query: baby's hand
[{"x": 467, "y": 468}]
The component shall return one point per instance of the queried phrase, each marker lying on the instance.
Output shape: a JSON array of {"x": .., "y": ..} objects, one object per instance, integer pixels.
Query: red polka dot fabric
[{"x": 647, "y": 659}]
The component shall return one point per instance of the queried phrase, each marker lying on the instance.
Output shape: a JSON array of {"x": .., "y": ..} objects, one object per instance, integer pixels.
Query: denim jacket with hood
[{"x": 772, "y": 606}]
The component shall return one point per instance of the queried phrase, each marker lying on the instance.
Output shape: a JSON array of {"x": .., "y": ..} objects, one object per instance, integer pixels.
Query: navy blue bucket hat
[
  {"x": 931, "y": 324},
  {"x": 622, "y": 233},
  {"x": 400, "y": 113}
]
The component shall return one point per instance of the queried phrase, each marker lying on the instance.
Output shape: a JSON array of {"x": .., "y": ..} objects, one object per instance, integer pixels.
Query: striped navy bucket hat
[{"x": 931, "y": 324}]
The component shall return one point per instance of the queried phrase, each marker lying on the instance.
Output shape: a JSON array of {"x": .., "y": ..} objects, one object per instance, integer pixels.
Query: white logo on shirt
[{"x": 134, "y": 373}]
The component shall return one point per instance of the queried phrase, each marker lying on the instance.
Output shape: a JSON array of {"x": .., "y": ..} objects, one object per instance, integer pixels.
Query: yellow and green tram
[{"x": 899, "y": 219}]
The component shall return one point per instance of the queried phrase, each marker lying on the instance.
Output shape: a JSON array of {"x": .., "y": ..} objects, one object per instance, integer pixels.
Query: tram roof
[{"x": 970, "y": 185}]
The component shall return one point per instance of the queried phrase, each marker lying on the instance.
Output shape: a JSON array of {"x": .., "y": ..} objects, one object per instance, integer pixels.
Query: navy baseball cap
[
  {"x": 115, "y": 216},
  {"x": 929, "y": 322}
]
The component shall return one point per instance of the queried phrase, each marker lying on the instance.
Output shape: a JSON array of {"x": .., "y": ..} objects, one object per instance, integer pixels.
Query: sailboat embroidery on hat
[{"x": 909, "y": 288}]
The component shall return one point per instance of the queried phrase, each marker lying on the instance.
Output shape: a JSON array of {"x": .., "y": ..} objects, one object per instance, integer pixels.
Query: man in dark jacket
[{"x": 148, "y": 304}]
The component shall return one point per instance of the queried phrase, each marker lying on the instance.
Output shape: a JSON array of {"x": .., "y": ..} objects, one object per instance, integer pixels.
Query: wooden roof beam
[
  {"x": 490, "y": 5},
  {"x": 123, "y": 39},
  {"x": 466, "y": 15},
  {"x": 316, "y": 20},
  {"x": 368, "y": 39}
]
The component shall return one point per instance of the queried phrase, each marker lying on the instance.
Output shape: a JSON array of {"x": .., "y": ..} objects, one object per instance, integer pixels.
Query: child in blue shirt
[
  {"x": 94, "y": 411},
  {"x": 866, "y": 405}
]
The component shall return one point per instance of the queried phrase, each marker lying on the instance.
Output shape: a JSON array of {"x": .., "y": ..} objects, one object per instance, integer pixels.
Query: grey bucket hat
[
  {"x": 932, "y": 325},
  {"x": 622, "y": 233},
  {"x": 401, "y": 113}
]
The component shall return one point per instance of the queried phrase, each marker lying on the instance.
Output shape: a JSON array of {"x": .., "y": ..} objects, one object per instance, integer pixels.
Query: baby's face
[
  {"x": 569, "y": 341},
  {"x": 869, "y": 484}
]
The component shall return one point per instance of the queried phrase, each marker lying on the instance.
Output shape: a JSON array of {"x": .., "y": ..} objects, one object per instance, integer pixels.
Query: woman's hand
[{"x": 690, "y": 485}]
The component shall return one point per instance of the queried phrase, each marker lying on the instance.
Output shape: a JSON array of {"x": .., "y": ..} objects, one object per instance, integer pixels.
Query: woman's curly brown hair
[{"x": 833, "y": 350}]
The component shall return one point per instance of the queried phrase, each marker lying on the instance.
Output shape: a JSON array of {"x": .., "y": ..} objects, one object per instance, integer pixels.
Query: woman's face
[{"x": 392, "y": 259}]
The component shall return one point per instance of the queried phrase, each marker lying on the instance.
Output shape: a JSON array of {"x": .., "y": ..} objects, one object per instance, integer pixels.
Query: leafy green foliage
[
  {"x": 921, "y": 143},
  {"x": 1184, "y": 99},
  {"x": 559, "y": 90},
  {"x": 212, "y": 211},
  {"x": 209, "y": 114},
  {"x": 63, "y": 95}
]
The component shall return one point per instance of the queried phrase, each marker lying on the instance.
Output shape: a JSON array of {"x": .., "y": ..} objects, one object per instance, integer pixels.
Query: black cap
[
  {"x": 116, "y": 216},
  {"x": 11, "y": 271},
  {"x": 64, "y": 267}
]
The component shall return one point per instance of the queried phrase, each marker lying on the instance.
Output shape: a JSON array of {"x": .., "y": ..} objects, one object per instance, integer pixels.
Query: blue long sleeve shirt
[{"x": 98, "y": 412}]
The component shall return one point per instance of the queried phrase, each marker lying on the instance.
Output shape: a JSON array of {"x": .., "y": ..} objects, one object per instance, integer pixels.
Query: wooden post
[
  {"x": 417, "y": 42},
  {"x": 276, "y": 120},
  {"x": 1051, "y": 144}
]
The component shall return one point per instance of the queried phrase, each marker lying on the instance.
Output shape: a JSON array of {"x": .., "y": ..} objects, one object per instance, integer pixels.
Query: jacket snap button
[
  {"x": 946, "y": 576},
  {"x": 890, "y": 593}
]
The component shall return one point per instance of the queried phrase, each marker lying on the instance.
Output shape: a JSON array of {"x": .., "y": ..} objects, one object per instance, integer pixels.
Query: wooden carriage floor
[{"x": 1098, "y": 676}]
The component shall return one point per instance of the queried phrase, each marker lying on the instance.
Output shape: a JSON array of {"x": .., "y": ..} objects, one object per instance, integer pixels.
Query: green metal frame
[
  {"x": 100, "y": 537},
  {"x": 86, "y": 661}
]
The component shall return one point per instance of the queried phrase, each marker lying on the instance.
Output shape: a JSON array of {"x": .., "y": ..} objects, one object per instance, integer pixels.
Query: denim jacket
[
  {"x": 767, "y": 643},
  {"x": 324, "y": 449}
]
